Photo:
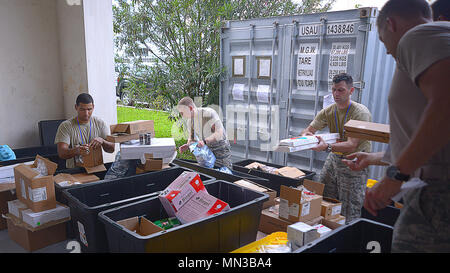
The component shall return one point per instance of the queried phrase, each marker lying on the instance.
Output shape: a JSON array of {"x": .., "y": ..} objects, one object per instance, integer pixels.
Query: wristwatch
[
  {"x": 329, "y": 148},
  {"x": 394, "y": 173}
]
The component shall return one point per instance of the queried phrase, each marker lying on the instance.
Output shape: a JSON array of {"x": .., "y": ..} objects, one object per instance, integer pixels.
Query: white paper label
[
  {"x": 238, "y": 66},
  {"x": 262, "y": 94},
  {"x": 338, "y": 60},
  {"x": 264, "y": 67},
  {"x": 238, "y": 91},
  {"x": 38, "y": 194},
  {"x": 305, "y": 208},
  {"x": 306, "y": 66},
  {"x": 294, "y": 209},
  {"x": 344, "y": 28},
  {"x": 82, "y": 233},
  {"x": 341, "y": 222},
  {"x": 284, "y": 209},
  {"x": 328, "y": 100},
  {"x": 309, "y": 30},
  {"x": 336, "y": 210},
  {"x": 22, "y": 188}
]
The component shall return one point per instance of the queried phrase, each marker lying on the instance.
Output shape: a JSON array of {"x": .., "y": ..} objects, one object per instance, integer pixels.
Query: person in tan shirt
[
  {"x": 340, "y": 181},
  {"x": 76, "y": 136}
]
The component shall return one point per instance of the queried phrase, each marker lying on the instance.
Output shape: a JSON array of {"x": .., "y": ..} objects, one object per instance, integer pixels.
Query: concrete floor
[{"x": 9, "y": 246}]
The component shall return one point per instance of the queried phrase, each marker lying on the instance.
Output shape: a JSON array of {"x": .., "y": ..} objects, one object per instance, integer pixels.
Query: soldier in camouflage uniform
[
  {"x": 419, "y": 142},
  {"x": 340, "y": 181},
  {"x": 207, "y": 129}
]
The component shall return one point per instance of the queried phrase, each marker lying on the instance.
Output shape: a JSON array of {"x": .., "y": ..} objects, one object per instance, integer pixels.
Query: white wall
[
  {"x": 50, "y": 52},
  {"x": 30, "y": 75}
]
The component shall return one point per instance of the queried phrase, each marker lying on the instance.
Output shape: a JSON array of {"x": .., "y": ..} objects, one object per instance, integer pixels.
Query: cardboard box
[
  {"x": 367, "y": 130},
  {"x": 140, "y": 225},
  {"x": 65, "y": 180},
  {"x": 291, "y": 149},
  {"x": 300, "y": 234},
  {"x": 36, "y": 219},
  {"x": 291, "y": 172},
  {"x": 305, "y": 140},
  {"x": 331, "y": 208},
  {"x": 298, "y": 205},
  {"x": 270, "y": 222},
  {"x": 149, "y": 163},
  {"x": 15, "y": 207},
  {"x": 200, "y": 206},
  {"x": 140, "y": 168},
  {"x": 33, "y": 239},
  {"x": 259, "y": 188},
  {"x": 164, "y": 148},
  {"x": 7, "y": 193},
  {"x": 134, "y": 127},
  {"x": 93, "y": 162},
  {"x": 322, "y": 229},
  {"x": 180, "y": 191},
  {"x": 33, "y": 189},
  {"x": 335, "y": 222},
  {"x": 85, "y": 178}
]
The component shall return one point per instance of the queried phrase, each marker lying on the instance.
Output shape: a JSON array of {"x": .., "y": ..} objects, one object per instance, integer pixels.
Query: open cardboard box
[
  {"x": 36, "y": 191},
  {"x": 93, "y": 161},
  {"x": 126, "y": 131},
  {"x": 298, "y": 207},
  {"x": 331, "y": 208},
  {"x": 259, "y": 188},
  {"x": 140, "y": 225},
  {"x": 367, "y": 130}
]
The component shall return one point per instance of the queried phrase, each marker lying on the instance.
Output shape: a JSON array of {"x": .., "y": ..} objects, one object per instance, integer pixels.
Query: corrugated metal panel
[{"x": 349, "y": 38}]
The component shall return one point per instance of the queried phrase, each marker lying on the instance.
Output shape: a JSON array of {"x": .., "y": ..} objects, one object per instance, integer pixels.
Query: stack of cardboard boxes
[
  {"x": 35, "y": 219},
  {"x": 367, "y": 130},
  {"x": 303, "y": 213},
  {"x": 302, "y": 143}
]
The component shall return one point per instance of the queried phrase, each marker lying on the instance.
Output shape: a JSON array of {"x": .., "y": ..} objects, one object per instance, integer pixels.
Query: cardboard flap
[
  {"x": 134, "y": 127},
  {"x": 290, "y": 172},
  {"x": 366, "y": 127},
  {"x": 315, "y": 187},
  {"x": 290, "y": 194},
  {"x": 93, "y": 159},
  {"x": 25, "y": 171},
  {"x": 85, "y": 178},
  {"x": 251, "y": 185},
  {"x": 51, "y": 166},
  {"x": 64, "y": 177},
  {"x": 120, "y": 128},
  {"x": 147, "y": 227},
  {"x": 96, "y": 169},
  {"x": 140, "y": 225}
]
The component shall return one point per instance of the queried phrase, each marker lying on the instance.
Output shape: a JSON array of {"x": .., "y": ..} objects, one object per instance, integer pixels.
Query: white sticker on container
[
  {"x": 336, "y": 210},
  {"x": 22, "y": 187},
  {"x": 339, "y": 29},
  {"x": 305, "y": 208},
  {"x": 306, "y": 66},
  {"x": 294, "y": 209},
  {"x": 338, "y": 60},
  {"x": 83, "y": 238},
  {"x": 284, "y": 209},
  {"x": 310, "y": 30},
  {"x": 38, "y": 194}
]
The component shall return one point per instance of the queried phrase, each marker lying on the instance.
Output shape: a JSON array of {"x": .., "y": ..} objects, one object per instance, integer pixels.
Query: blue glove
[{"x": 6, "y": 153}]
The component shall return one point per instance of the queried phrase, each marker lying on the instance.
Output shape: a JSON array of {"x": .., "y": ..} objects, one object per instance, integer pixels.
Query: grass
[{"x": 163, "y": 125}]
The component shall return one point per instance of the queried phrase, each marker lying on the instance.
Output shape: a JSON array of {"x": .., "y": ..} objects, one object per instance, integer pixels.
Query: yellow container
[
  {"x": 371, "y": 182},
  {"x": 276, "y": 238}
]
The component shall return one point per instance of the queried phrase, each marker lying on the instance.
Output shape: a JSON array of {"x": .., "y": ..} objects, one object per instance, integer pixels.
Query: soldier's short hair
[
  {"x": 407, "y": 9},
  {"x": 343, "y": 77},
  {"x": 186, "y": 101}
]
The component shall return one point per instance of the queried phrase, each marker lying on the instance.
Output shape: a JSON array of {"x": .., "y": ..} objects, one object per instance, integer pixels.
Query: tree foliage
[{"x": 183, "y": 38}]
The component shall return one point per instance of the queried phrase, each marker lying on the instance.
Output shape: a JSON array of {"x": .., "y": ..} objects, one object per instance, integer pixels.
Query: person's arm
[
  {"x": 361, "y": 160},
  {"x": 308, "y": 131},
  {"x": 109, "y": 147},
  {"x": 317, "y": 124},
  {"x": 433, "y": 130},
  {"x": 65, "y": 152},
  {"x": 343, "y": 147}
]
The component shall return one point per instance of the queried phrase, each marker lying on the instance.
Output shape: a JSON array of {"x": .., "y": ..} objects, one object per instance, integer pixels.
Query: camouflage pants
[
  {"x": 345, "y": 185},
  {"x": 222, "y": 152},
  {"x": 424, "y": 221}
]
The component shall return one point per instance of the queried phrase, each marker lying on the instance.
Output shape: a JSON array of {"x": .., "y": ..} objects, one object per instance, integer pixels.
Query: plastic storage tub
[
  {"x": 220, "y": 175},
  {"x": 358, "y": 236},
  {"x": 274, "y": 181},
  {"x": 29, "y": 154},
  {"x": 387, "y": 216},
  {"x": 86, "y": 201},
  {"x": 221, "y": 232}
]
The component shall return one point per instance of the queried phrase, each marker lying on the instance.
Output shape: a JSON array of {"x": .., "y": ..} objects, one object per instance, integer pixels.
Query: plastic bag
[
  {"x": 121, "y": 168},
  {"x": 41, "y": 169},
  {"x": 204, "y": 155},
  {"x": 225, "y": 170}
]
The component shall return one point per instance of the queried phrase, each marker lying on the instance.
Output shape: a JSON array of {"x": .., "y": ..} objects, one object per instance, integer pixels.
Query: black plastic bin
[
  {"x": 29, "y": 154},
  {"x": 358, "y": 236},
  {"x": 387, "y": 216},
  {"x": 86, "y": 201},
  {"x": 220, "y": 175},
  {"x": 222, "y": 232},
  {"x": 274, "y": 181}
]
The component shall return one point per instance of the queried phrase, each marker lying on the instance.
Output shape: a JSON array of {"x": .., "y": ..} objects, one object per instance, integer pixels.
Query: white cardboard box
[
  {"x": 304, "y": 140},
  {"x": 15, "y": 207},
  {"x": 300, "y": 234},
  {"x": 200, "y": 206},
  {"x": 160, "y": 148},
  {"x": 180, "y": 191},
  {"x": 36, "y": 219},
  {"x": 321, "y": 229}
]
